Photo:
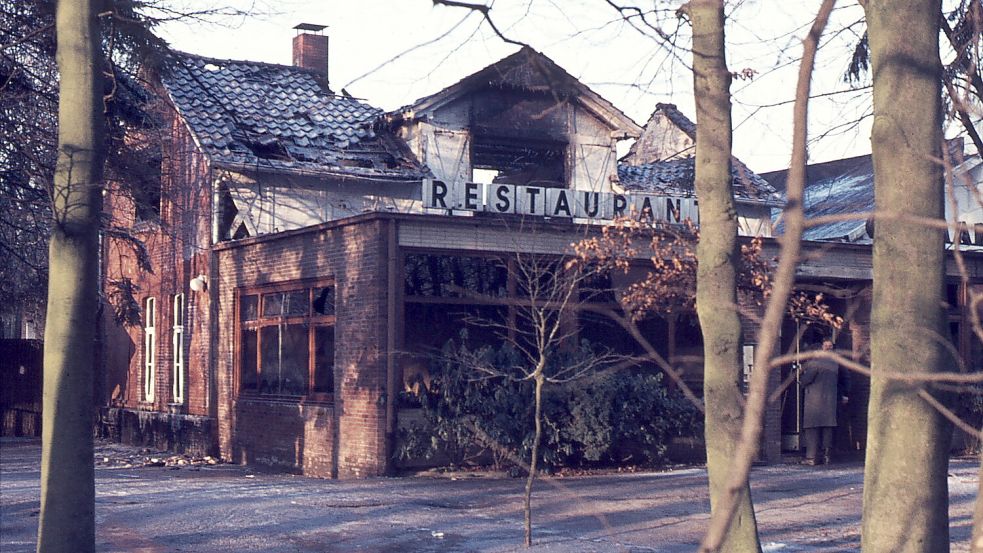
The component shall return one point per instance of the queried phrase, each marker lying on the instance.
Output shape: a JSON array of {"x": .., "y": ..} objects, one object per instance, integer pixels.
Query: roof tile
[
  {"x": 676, "y": 177},
  {"x": 240, "y": 111}
]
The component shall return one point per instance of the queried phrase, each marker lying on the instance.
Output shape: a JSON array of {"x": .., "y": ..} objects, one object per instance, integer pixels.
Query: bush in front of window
[{"x": 477, "y": 409}]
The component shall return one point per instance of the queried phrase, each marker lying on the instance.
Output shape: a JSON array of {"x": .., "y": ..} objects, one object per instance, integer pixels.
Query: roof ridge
[{"x": 271, "y": 65}]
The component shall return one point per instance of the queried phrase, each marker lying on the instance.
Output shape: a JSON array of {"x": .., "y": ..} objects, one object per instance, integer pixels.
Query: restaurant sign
[{"x": 555, "y": 202}]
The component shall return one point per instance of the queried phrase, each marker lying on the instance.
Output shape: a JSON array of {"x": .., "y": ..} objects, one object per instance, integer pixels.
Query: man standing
[{"x": 820, "y": 378}]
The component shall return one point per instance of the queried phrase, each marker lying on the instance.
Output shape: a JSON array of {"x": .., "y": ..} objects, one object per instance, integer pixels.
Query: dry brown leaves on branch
[{"x": 668, "y": 287}]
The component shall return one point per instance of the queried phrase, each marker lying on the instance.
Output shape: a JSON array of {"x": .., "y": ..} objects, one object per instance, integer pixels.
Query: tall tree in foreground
[
  {"x": 905, "y": 489},
  {"x": 716, "y": 278},
  {"x": 67, "y": 521}
]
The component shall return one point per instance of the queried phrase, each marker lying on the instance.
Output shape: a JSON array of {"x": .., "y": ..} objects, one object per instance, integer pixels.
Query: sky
[{"x": 391, "y": 52}]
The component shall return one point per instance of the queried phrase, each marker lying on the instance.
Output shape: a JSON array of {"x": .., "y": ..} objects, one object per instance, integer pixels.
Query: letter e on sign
[{"x": 472, "y": 196}]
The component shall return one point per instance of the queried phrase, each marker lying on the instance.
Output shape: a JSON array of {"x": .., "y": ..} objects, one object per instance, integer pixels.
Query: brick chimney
[{"x": 311, "y": 49}]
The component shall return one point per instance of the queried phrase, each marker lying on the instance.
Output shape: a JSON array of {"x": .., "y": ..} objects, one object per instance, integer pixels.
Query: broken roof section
[
  {"x": 677, "y": 176},
  {"x": 532, "y": 71},
  {"x": 257, "y": 116},
  {"x": 662, "y": 160},
  {"x": 843, "y": 187}
]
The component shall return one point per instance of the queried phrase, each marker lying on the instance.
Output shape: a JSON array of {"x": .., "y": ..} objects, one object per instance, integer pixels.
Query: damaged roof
[
  {"x": 530, "y": 70},
  {"x": 678, "y": 118},
  {"x": 840, "y": 187},
  {"x": 676, "y": 177},
  {"x": 266, "y": 117}
]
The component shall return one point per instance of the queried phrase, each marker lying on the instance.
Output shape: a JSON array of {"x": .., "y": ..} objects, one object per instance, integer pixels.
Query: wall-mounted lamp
[{"x": 199, "y": 283}]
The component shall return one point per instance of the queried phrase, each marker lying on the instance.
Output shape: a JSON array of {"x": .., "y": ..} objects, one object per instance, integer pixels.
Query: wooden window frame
[{"x": 309, "y": 319}]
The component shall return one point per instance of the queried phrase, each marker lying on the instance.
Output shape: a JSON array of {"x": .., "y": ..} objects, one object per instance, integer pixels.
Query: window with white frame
[
  {"x": 149, "y": 347},
  {"x": 177, "y": 380}
]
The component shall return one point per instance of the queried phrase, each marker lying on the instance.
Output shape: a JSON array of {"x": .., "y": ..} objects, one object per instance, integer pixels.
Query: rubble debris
[{"x": 111, "y": 455}]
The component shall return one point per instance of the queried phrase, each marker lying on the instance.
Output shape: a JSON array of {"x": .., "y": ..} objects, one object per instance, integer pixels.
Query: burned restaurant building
[{"x": 305, "y": 241}]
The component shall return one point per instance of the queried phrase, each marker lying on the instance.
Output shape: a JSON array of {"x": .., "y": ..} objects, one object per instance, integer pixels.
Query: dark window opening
[
  {"x": 511, "y": 160},
  {"x": 323, "y": 359},
  {"x": 228, "y": 214},
  {"x": 146, "y": 199},
  {"x": 598, "y": 287},
  {"x": 952, "y": 295},
  {"x": 143, "y": 166},
  {"x": 430, "y": 326}
]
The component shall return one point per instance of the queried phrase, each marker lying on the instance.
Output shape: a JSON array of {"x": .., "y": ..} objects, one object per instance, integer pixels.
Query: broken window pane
[
  {"x": 324, "y": 359},
  {"x": 284, "y": 359},
  {"x": 273, "y": 305},
  {"x": 295, "y": 303},
  {"x": 324, "y": 301},
  {"x": 247, "y": 365},
  {"x": 249, "y": 308}
]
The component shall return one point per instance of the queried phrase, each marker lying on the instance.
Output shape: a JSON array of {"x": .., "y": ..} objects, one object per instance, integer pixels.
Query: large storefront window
[
  {"x": 489, "y": 296},
  {"x": 447, "y": 276},
  {"x": 446, "y": 294},
  {"x": 286, "y": 341}
]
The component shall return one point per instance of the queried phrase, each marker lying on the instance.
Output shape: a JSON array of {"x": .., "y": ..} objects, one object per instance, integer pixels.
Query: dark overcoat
[{"x": 819, "y": 377}]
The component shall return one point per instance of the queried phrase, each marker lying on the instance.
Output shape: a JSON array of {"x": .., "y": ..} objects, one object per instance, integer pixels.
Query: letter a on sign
[{"x": 558, "y": 201}]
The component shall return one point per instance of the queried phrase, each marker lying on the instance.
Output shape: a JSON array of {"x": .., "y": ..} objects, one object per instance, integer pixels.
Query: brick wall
[
  {"x": 771, "y": 437},
  {"x": 177, "y": 247},
  {"x": 286, "y": 435},
  {"x": 189, "y": 434},
  {"x": 347, "y": 438}
]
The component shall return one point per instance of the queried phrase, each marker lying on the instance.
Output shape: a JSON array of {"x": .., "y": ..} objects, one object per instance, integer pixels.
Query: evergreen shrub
[{"x": 478, "y": 408}]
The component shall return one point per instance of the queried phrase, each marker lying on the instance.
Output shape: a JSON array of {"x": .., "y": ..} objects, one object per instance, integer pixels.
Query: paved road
[{"x": 232, "y": 508}]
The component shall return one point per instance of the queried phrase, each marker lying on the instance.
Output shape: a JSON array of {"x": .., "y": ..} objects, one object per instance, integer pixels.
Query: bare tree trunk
[
  {"x": 538, "y": 401},
  {"x": 67, "y": 520},
  {"x": 905, "y": 488},
  {"x": 717, "y": 252}
]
